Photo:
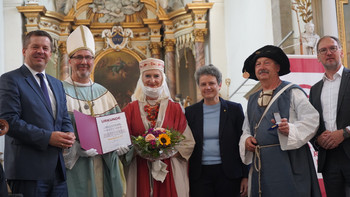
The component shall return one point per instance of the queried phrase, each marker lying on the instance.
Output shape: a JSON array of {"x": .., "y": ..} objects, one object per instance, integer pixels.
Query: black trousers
[
  {"x": 3, "y": 185},
  {"x": 213, "y": 182},
  {"x": 336, "y": 174},
  {"x": 54, "y": 187}
]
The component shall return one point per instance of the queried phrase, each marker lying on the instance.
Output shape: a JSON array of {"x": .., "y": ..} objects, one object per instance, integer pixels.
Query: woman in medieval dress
[{"x": 153, "y": 107}]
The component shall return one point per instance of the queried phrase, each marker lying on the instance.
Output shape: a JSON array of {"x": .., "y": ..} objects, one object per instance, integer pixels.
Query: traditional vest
[
  {"x": 281, "y": 105},
  {"x": 277, "y": 171}
]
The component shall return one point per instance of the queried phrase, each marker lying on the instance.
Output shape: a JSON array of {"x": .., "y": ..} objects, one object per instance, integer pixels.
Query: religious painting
[{"x": 119, "y": 73}]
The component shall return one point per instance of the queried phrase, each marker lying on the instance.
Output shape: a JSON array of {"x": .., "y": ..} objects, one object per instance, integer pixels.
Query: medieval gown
[{"x": 139, "y": 181}]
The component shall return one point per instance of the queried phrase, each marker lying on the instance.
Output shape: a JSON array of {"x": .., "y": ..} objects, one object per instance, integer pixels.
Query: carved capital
[
  {"x": 32, "y": 14},
  {"x": 200, "y": 34},
  {"x": 65, "y": 29},
  {"x": 169, "y": 45},
  {"x": 155, "y": 32},
  {"x": 169, "y": 26},
  {"x": 143, "y": 49},
  {"x": 155, "y": 47},
  {"x": 50, "y": 25},
  {"x": 199, "y": 13}
]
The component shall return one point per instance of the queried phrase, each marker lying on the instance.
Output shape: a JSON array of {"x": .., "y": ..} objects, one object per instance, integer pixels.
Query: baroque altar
[{"x": 125, "y": 32}]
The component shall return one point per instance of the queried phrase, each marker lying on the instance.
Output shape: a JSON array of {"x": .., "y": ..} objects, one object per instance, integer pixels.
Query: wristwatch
[{"x": 346, "y": 133}]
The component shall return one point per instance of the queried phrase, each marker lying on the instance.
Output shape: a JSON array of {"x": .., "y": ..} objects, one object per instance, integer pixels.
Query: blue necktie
[{"x": 44, "y": 88}]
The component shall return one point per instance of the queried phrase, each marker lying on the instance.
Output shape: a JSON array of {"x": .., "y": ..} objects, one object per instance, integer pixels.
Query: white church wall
[
  {"x": 329, "y": 18},
  {"x": 248, "y": 26},
  {"x": 13, "y": 31}
]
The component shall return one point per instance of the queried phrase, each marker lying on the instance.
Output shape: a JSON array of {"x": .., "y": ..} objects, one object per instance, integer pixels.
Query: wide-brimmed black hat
[{"x": 268, "y": 51}]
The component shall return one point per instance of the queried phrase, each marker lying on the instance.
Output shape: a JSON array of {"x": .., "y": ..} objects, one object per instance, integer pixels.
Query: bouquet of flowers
[{"x": 157, "y": 143}]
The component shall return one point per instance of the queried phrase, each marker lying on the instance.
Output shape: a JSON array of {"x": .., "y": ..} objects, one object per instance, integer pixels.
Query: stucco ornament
[
  {"x": 117, "y": 38},
  {"x": 115, "y": 10}
]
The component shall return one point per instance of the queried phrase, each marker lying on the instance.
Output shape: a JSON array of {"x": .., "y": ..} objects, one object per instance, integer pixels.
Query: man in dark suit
[
  {"x": 34, "y": 105},
  {"x": 215, "y": 167},
  {"x": 331, "y": 97}
]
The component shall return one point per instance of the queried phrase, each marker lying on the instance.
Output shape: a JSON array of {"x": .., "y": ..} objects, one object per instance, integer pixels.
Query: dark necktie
[{"x": 44, "y": 88}]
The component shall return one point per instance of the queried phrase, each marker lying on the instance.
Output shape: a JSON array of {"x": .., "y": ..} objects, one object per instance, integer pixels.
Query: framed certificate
[{"x": 105, "y": 133}]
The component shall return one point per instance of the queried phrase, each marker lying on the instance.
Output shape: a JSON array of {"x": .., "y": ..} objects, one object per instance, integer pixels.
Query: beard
[
  {"x": 332, "y": 65},
  {"x": 83, "y": 74}
]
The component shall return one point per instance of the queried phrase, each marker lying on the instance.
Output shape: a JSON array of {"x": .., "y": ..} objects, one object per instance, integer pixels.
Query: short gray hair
[
  {"x": 332, "y": 37},
  {"x": 208, "y": 70}
]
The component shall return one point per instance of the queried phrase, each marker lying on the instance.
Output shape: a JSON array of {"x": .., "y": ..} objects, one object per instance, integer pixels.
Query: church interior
[{"x": 186, "y": 34}]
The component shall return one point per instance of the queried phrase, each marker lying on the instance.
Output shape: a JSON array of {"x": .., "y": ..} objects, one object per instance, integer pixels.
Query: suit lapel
[
  {"x": 35, "y": 86},
  {"x": 223, "y": 117},
  {"x": 343, "y": 86},
  {"x": 317, "y": 97},
  {"x": 200, "y": 122}
]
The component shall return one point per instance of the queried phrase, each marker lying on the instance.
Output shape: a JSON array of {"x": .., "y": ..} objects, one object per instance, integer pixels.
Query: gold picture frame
[{"x": 343, "y": 8}]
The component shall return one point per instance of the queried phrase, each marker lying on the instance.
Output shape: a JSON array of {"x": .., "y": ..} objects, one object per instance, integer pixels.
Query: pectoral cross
[{"x": 91, "y": 105}]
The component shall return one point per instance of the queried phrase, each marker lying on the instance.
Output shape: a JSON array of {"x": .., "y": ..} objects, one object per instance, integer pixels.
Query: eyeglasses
[
  {"x": 80, "y": 58},
  {"x": 332, "y": 49}
]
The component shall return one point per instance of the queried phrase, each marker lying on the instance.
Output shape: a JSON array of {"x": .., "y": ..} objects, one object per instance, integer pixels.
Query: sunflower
[{"x": 164, "y": 139}]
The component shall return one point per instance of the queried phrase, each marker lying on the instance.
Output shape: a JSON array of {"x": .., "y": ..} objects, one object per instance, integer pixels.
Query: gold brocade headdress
[{"x": 151, "y": 63}]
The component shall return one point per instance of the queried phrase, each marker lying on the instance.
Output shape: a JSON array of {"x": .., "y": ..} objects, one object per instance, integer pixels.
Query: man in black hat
[{"x": 279, "y": 123}]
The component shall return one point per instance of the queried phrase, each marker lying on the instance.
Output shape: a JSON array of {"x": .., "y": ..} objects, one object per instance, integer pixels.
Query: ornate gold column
[
  {"x": 64, "y": 67},
  {"x": 156, "y": 44},
  {"x": 170, "y": 70},
  {"x": 199, "y": 43},
  {"x": 155, "y": 49}
]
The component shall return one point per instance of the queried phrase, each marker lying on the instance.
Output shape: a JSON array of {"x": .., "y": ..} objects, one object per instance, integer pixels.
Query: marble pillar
[
  {"x": 200, "y": 55},
  {"x": 170, "y": 69}
]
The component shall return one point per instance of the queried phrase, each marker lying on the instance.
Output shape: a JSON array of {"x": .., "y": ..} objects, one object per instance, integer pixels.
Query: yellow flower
[{"x": 164, "y": 139}]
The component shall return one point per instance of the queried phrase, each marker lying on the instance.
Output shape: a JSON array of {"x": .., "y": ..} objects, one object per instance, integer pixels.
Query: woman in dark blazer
[{"x": 215, "y": 167}]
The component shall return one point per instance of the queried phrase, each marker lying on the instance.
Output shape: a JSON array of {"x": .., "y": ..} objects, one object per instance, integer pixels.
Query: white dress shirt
[
  {"x": 329, "y": 99},
  {"x": 51, "y": 95}
]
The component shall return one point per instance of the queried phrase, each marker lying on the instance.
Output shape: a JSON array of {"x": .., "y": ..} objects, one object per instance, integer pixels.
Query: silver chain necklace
[{"x": 87, "y": 104}]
